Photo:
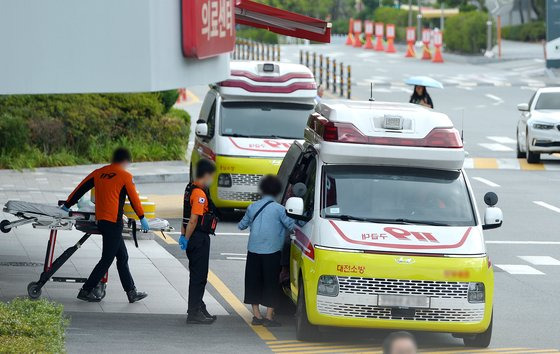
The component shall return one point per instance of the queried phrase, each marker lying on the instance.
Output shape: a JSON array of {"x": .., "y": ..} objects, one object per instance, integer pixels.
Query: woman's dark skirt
[{"x": 261, "y": 279}]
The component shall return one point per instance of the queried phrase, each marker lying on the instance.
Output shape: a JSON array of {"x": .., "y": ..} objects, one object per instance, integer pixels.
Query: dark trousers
[
  {"x": 261, "y": 279},
  {"x": 113, "y": 246},
  {"x": 198, "y": 253}
]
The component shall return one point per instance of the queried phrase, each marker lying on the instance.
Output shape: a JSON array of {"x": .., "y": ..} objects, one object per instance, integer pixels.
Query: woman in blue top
[{"x": 269, "y": 224}]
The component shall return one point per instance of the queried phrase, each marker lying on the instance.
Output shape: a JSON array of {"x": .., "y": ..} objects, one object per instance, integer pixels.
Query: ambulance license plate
[
  {"x": 403, "y": 301},
  {"x": 393, "y": 123}
]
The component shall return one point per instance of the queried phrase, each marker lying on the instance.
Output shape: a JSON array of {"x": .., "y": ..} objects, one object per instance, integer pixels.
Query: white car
[{"x": 538, "y": 129}]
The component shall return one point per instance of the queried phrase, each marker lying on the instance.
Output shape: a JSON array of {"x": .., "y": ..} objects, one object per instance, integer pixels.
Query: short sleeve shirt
[{"x": 199, "y": 202}]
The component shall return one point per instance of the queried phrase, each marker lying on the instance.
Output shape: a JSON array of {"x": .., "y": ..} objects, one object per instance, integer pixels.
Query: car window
[
  {"x": 548, "y": 100},
  {"x": 211, "y": 122},
  {"x": 288, "y": 164},
  {"x": 532, "y": 99},
  {"x": 304, "y": 172},
  {"x": 396, "y": 194}
]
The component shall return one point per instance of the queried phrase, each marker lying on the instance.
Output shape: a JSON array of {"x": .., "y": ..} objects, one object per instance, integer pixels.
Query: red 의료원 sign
[{"x": 208, "y": 27}]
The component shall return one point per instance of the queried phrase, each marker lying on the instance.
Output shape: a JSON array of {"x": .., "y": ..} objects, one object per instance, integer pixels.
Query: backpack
[{"x": 208, "y": 222}]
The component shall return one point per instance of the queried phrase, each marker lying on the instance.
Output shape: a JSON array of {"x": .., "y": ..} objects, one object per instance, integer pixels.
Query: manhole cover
[{"x": 20, "y": 264}]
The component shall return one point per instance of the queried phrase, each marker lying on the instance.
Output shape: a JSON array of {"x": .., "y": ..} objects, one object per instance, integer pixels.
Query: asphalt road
[{"x": 525, "y": 252}]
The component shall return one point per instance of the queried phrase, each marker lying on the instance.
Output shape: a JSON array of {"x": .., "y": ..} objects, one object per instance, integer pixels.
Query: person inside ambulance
[
  {"x": 199, "y": 221},
  {"x": 113, "y": 184}
]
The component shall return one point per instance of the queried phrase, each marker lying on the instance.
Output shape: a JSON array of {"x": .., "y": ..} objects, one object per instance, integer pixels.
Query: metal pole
[
  {"x": 409, "y": 13},
  {"x": 328, "y": 72},
  {"x": 301, "y": 56},
  {"x": 314, "y": 64},
  {"x": 321, "y": 69},
  {"x": 349, "y": 82},
  {"x": 419, "y": 23},
  {"x": 341, "y": 80},
  {"x": 278, "y": 52},
  {"x": 499, "y": 35},
  {"x": 442, "y": 18},
  {"x": 307, "y": 59},
  {"x": 489, "y": 53},
  {"x": 334, "y": 76},
  {"x": 268, "y": 52}
]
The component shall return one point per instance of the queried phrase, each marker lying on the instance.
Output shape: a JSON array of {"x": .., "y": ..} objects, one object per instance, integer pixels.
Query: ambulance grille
[
  {"x": 385, "y": 286},
  {"x": 245, "y": 180},
  {"x": 386, "y": 313},
  {"x": 225, "y": 194}
]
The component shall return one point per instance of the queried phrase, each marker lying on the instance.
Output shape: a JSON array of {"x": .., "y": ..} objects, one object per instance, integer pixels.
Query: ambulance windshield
[
  {"x": 396, "y": 195},
  {"x": 264, "y": 119}
]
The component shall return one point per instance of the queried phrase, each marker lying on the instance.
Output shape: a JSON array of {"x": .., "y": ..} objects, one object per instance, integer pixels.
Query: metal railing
[
  {"x": 247, "y": 49},
  {"x": 333, "y": 76}
]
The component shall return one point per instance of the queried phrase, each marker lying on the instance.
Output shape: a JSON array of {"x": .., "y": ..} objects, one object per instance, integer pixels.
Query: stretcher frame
[{"x": 82, "y": 221}]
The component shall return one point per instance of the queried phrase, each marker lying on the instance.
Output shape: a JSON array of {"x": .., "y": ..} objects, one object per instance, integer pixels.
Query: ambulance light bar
[
  {"x": 267, "y": 88},
  {"x": 348, "y": 133}
]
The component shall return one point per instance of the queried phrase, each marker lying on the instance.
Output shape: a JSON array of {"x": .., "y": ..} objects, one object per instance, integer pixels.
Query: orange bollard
[
  {"x": 379, "y": 35},
  {"x": 438, "y": 42},
  {"x": 410, "y": 39},
  {"x": 357, "y": 31},
  {"x": 390, "y": 39},
  {"x": 368, "y": 30},
  {"x": 426, "y": 54},
  {"x": 350, "y": 37}
]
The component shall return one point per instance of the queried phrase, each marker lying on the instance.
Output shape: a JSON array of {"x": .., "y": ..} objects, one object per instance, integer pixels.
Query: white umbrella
[{"x": 423, "y": 81}]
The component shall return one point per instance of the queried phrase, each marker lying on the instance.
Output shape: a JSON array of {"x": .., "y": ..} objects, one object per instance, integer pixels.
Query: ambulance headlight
[
  {"x": 328, "y": 285},
  {"x": 224, "y": 180},
  {"x": 476, "y": 293}
]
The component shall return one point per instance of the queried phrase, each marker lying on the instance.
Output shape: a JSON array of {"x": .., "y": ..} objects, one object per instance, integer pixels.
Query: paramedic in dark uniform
[
  {"x": 195, "y": 239},
  {"x": 112, "y": 185}
]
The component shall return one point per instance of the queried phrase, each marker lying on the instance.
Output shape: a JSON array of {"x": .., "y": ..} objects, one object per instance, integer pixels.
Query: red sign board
[
  {"x": 410, "y": 34},
  {"x": 438, "y": 40},
  {"x": 208, "y": 27},
  {"x": 369, "y": 27},
  {"x": 390, "y": 31},
  {"x": 379, "y": 29},
  {"x": 426, "y": 35},
  {"x": 357, "y": 26}
]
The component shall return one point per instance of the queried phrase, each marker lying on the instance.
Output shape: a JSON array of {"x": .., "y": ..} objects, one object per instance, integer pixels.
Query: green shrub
[
  {"x": 392, "y": 16},
  {"x": 258, "y": 35},
  {"x": 528, "y": 32},
  {"x": 168, "y": 98},
  {"x": 55, "y": 130},
  {"x": 340, "y": 26},
  {"x": 28, "y": 326},
  {"x": 466, "y": 32}
]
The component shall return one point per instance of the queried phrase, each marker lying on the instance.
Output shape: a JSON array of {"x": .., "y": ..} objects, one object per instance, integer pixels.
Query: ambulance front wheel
[
  {"x": 34, "y": 290},
  {"x": 481, "y": 340},
  {"x": 3, "y": 226},
  {"x": 305, "y": 331}
]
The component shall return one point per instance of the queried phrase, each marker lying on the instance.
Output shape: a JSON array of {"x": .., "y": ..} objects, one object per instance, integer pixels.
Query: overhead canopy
[{"x": 284, "y": 22}]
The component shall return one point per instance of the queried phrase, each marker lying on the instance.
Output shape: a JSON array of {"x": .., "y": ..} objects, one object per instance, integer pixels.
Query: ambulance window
[
  {"x": 396, "y": 195},
  {"x": 288, "y": 164},
  {"x": 304, "y": 172},
  {"x": 211, "y": 122}
]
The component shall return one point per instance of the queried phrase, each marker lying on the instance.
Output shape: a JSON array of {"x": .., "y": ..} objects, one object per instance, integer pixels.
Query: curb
[{"x": 162, "y": 177}]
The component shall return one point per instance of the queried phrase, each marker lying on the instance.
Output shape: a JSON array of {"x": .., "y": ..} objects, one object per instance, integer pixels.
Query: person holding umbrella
[{"x": 420, "y": 94}]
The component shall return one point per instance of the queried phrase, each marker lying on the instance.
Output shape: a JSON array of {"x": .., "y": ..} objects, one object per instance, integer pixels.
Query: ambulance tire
[
  {"x": 305, "y": 331},
  {"x": 481, "y": 340},
  {"x": 3, "y": 225}
]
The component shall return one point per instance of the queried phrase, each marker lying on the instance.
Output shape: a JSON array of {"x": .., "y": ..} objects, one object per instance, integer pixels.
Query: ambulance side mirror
[
  {"x": 294, "y": 208},
  {"x": 493, "y": 216},
  {"x": 201, "y": 130}
]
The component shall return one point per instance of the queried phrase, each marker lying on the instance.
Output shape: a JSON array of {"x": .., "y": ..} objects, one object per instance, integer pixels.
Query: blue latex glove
[
  {"x": 144, "y": 225},
  {"x": 183, "y": 242},
  {"x": 63, "y": 207}
]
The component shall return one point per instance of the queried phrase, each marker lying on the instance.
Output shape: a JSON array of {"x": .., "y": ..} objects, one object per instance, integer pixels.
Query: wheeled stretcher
[{"x": 53, "y": 218}]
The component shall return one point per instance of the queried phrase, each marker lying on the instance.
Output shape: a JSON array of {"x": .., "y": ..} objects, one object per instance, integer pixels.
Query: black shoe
[
  {"x": 199, "y": 318},
  {"x": 257, "y": 321},
  {"x": 271, "y": 323},
  {"x": 88, "y": 296},
  {"x": 134, "y": 295},
  {"x": 207, "y": 314}
]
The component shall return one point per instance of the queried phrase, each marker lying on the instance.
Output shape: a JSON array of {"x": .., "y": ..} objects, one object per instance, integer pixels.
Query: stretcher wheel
[
  {"x": 3, "y": 225},
  {"x": 34, "y": 290}
]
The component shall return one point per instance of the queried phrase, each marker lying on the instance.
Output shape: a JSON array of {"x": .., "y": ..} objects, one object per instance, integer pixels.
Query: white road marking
[
  {"x": 495, "y": 98},
  {"x": 546, "y": 205},
  {"x": 486, "y": 182},
  {"x": 234, "y": 254},
  {"x": 480, "y": 106},
  {"x": 232, "y": 234},
  {"x": 519, "y": 269},
  {"x": 523, "y": 242},
  {"x": 237, "y": 258},
  {"x": 502, "y": 139},
  {"x": 495, "y": 147},
  {"x": 540, "y": 260}
]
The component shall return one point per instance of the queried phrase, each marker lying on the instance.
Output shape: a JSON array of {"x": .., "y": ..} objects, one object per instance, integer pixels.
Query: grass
[{"x": 28, "y": 326}]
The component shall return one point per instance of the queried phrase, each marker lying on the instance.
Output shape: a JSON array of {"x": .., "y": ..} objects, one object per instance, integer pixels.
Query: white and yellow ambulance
[
  {"x": 248, "y": 122},
  {"x": 389, "y": 234}
]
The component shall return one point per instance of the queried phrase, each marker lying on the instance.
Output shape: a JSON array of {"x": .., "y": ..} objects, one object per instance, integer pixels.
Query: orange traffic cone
[
  {"x": 369, "y": 43},
  {"x": 390, "y": 46},
  {"x": 357, "y": 41},
  {"x": 350, "y": 37},
  {"x": 410, "y": 50},
  {"x": 438, "y": 58},
  {"x": 379, "y": 44},
  {"x": 426, "y": 54}
]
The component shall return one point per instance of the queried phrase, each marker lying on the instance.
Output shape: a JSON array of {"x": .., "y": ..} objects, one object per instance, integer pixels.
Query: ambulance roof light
[{"x": 348, "y": 133}]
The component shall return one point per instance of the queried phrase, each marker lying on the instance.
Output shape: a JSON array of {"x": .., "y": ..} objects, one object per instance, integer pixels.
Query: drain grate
[{"x": 20, "y": 264}]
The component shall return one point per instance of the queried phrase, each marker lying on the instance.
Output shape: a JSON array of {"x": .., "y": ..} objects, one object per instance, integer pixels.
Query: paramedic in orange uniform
[
  {"x": 112, "y": 185},
  {"x": 195, "y": 239}
]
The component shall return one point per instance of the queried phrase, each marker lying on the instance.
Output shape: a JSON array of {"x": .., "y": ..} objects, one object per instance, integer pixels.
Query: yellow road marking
[
  {"x": 485, "y": 162},
  {"x": 339, "y": 349},
  {"x": 305, "y": 347},
  {"x": 166, "y": 238},
  {"x": 239, "y": 307},
  {"x": 491, "y": 350},
  {"x": 285, "y": 341},
  {"x": 524, "y": 165},
  {"x": 532, "y": 351}
]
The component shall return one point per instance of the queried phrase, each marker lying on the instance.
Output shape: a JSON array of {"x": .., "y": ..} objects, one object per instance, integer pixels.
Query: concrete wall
[{"x": 68, "y": 46}]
